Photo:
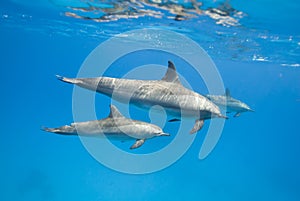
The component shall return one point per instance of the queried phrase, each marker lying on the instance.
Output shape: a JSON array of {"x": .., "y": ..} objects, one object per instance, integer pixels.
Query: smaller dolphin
[
  {"x": 115, "y": 126},
  {"x": 229, "y": 103}
]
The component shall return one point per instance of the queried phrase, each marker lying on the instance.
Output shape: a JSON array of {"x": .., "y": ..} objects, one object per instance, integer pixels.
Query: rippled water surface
[{"x": 247, "y": 33}]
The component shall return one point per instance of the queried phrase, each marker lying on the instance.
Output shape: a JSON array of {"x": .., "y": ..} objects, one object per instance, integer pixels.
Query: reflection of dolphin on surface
[
  {"x": 167, "y": 92},
  {"x": 115, "y": 126},
  {"x": 229, "y": 103}
]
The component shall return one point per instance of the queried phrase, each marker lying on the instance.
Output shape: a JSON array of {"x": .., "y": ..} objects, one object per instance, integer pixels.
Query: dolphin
[
  {"x": 229, "y": 103},
  {"x": 115, "y": 127},
  {"x": 167, "y": 92}
]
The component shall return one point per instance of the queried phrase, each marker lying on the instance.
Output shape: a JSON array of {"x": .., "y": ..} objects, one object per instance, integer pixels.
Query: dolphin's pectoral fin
[
  {"x": 237, "y": 114},
  {"x": 197, "y": 126},
  {"x": 174, "y": 120},
  {"x": 137, "y": 143}
]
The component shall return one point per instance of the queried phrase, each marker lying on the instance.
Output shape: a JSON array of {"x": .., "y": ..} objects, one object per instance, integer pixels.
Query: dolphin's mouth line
[{"x": 223, "y": 116}]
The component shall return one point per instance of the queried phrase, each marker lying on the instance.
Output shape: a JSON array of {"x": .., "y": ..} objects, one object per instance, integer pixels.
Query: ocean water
[{"x": 255, "y": 47}]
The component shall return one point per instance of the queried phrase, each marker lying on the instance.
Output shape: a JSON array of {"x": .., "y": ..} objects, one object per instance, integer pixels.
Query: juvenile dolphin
[
  {"x": 115, "y": 126},
  {"x": 167, "y": 92},
  {"x": 231, "y": 104}
]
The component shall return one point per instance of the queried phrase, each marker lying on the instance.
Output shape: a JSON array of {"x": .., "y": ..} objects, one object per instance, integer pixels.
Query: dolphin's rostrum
[
  {"x": 229, "y": 103},
  {"x": 115, "y": 126},
  {"x": 167, "y": 92}
]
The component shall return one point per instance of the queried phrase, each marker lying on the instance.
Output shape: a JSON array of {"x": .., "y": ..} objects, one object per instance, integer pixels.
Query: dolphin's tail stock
[{"x": 68, "y": 80}]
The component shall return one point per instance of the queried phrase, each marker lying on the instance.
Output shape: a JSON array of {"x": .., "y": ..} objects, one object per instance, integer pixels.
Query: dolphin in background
[
  {"x": 230, "y": 104},
  {"x": 115, "y": 127},
  {"x": 167, "y": 92}
]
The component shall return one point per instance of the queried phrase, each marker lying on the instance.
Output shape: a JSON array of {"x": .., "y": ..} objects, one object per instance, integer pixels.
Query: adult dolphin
[
  {"x": 167, "y": 92},
  {"x": 229, "y": 103},
  {"x": 115, "y": 127}
]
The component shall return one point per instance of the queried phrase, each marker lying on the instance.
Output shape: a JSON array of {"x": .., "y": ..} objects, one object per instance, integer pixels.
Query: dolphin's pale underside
[{"x": 115, "y": 126}]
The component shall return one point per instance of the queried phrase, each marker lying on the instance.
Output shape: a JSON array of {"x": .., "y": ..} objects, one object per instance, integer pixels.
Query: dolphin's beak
[
  {"x": 222, "y": 116},
  {"x": 250, "y": 110},
  {"x": 163, "y": 134}
]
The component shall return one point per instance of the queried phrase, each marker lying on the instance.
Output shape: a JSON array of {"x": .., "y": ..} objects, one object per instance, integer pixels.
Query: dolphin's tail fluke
[
  {"x": 67, "y": 80},
  {"x": 51, "y": 130},
  {"x": 64, "y": 130}
]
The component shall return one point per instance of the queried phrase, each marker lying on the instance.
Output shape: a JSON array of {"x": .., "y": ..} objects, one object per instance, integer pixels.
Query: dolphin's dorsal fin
[
  {"x": 114, "y": 112},
  {"x": 171, "y": 74},
  {"x": 227, "y": 93}
]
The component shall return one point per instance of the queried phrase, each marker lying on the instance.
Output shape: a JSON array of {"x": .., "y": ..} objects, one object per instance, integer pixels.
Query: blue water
[{"x": 256, "y": 158}]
